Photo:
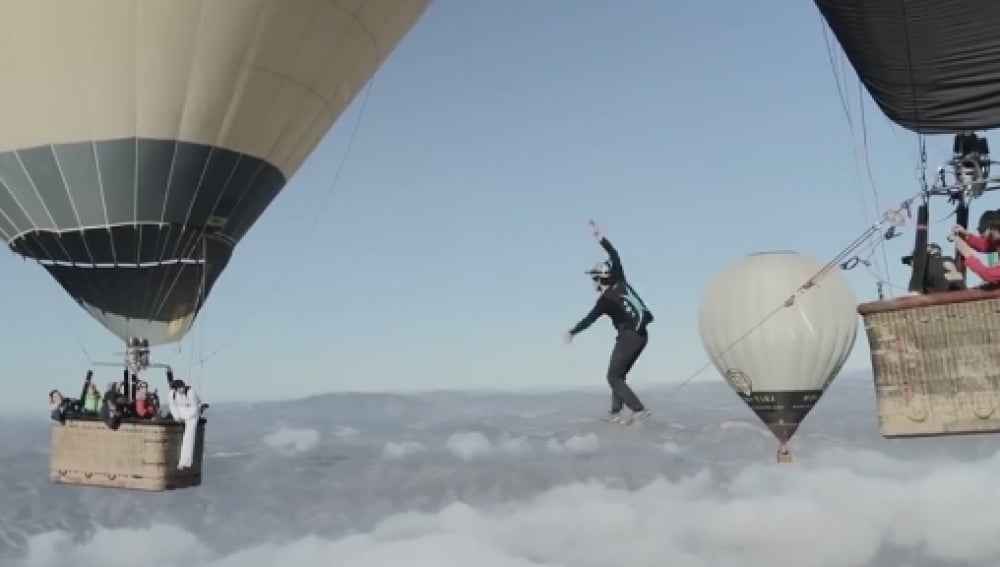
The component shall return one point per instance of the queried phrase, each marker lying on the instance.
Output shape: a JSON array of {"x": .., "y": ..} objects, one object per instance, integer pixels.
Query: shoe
[
  {"x": 639, "y": 415},
  {"x": 614, "y": 417}
]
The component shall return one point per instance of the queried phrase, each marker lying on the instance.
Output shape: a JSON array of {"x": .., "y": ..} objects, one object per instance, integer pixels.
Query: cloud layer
[
  {"x": 514, "y": 480},
  {"x": 844, "y": 508},
  {"x": 291, "y": 441}
]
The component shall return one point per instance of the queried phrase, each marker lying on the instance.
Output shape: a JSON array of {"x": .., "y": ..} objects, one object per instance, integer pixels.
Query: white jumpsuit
[{"x": 186, "y": 407}]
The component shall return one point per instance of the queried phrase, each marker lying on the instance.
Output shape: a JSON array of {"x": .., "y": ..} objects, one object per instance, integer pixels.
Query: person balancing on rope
[{"x": 630, "y": 317}]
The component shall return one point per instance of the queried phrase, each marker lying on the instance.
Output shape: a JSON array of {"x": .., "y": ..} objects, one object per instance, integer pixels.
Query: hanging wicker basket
[
  {"x": 936, "y": 362},
  {"x": 140, "y": 455}
]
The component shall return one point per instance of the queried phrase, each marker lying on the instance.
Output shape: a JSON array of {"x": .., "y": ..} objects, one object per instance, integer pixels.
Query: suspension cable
[
  {"x": 840, "y": 81},
  {"x": 90, "y": 359},
  {"x": 871, "y": 183},
  {"x": 894, "y": 218},
  {"x": 262, "y": 302}
]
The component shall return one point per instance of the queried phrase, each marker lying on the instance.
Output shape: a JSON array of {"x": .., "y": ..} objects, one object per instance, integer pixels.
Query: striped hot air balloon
[{"x": 141, "y": 139}]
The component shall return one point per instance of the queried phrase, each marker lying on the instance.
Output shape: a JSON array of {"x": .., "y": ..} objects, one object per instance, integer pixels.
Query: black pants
[
  {"x": 933, "y": 273},
  {"x": 628, "y": 346},
  {"x": 68, "y": 407}
]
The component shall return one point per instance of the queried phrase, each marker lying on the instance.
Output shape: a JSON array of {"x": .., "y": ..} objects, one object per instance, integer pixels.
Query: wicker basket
[
  {"x": 139, "y": 455},
  {"x": 936, "y": 361}
]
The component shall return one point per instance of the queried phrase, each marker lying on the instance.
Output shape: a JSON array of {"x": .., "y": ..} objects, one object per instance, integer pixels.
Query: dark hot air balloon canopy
[{"x": 932, "y": 66}]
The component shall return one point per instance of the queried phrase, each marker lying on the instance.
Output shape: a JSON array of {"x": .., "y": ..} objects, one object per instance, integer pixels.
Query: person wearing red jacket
[
  {"x": 988, "y": 240},
  {"x": 144, "y": 408}
]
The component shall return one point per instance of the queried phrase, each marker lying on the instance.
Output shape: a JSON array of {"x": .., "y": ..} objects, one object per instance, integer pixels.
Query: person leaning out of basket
[
  {"x": 988, "y": 240},
  {"x": 185, "y": 407},
  {"x": 60, "y": 407}
]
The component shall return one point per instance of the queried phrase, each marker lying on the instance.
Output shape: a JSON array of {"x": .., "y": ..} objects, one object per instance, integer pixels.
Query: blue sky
[{"x": 451, "y": 251}]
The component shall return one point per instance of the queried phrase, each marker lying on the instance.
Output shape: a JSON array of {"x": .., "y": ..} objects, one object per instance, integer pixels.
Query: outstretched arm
[
  {"x": 86, "y": 382},
  {"x": 595, "y": 313},
  {"x": 989, "y": 274},
  {"x": 977, "y": 242},
  {"x": 986, "y": 273},
  {"x": 617, "y": 272}
]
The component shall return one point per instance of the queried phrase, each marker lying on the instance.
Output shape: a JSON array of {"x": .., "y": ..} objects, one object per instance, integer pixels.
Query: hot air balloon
[
  {"x": 142, "y": 139},
  {"x": 778, "y": 355},
  {"x": 930, "y": 66}
]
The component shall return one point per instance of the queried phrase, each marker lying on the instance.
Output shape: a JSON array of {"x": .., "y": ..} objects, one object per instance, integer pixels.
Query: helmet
[{"x": 601, "y": 271}]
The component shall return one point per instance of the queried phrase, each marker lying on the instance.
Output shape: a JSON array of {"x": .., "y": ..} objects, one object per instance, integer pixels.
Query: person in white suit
[{"x": 185, "y": 407}]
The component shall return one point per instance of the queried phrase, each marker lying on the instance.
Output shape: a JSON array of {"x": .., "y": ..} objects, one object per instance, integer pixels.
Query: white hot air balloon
[{"x": 779, "y": 363}]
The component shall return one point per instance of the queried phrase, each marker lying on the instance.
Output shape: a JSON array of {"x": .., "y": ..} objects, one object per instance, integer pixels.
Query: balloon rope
[
  {"x": 840, "y": 82},
  {"x": 79, "y": 343},
  {"x": 872, "y": 237},
  {"x": 740, "y": 339},
  {"x": 260, "y": 304}
]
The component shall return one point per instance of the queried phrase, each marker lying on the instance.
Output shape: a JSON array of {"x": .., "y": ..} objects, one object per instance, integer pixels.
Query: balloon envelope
[
  {"x": 929, "y": 65},
  {"x": 142, "y": 139},
  {"x": 781, "y": 368}
]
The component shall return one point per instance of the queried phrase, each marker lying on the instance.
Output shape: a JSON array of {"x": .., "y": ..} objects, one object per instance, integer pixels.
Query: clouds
[
  {"x": 346, "y": 432},
  {"x": 844, "y": 508},
  {"x": 117, "y": 548},
  {"x": 291, "y": 441},
  {"x": 398, "y": 450},
  {"x": 745, "y": 426},
  {"x": 551, "y": 488},
  {"x": 468, "y": 445},
  {"x": 584, "y": 444},
  {"x": 474, "y": 445}
]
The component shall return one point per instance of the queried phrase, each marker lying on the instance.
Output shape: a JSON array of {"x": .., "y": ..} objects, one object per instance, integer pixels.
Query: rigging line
[
  {"x": 864, "y": 256},
  {"x": 865, "y": 253},
  {"x": 259, "y": 306},
  {"x": 842, "y": 93},
  {"x": 865, "y": 149},
  {"x": 198, "y": 340},
  {"x": 845, "y": 108},
  {"x": 871, "y": 179},
  {"x": 854, "y": 246},
  {"x": 69, "y": 328},
  {"x": 787, "y": 303},
  {"x": 941, "y": 220},
  {"x": 879, "y": 280},
  {"x": 90, "y": 359},
  {"x": 922, "y": 168},
  {"x": 738, "y": 340},
  {"x": 922, "y": 144},
  {"x": 858, "y": 242}
]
